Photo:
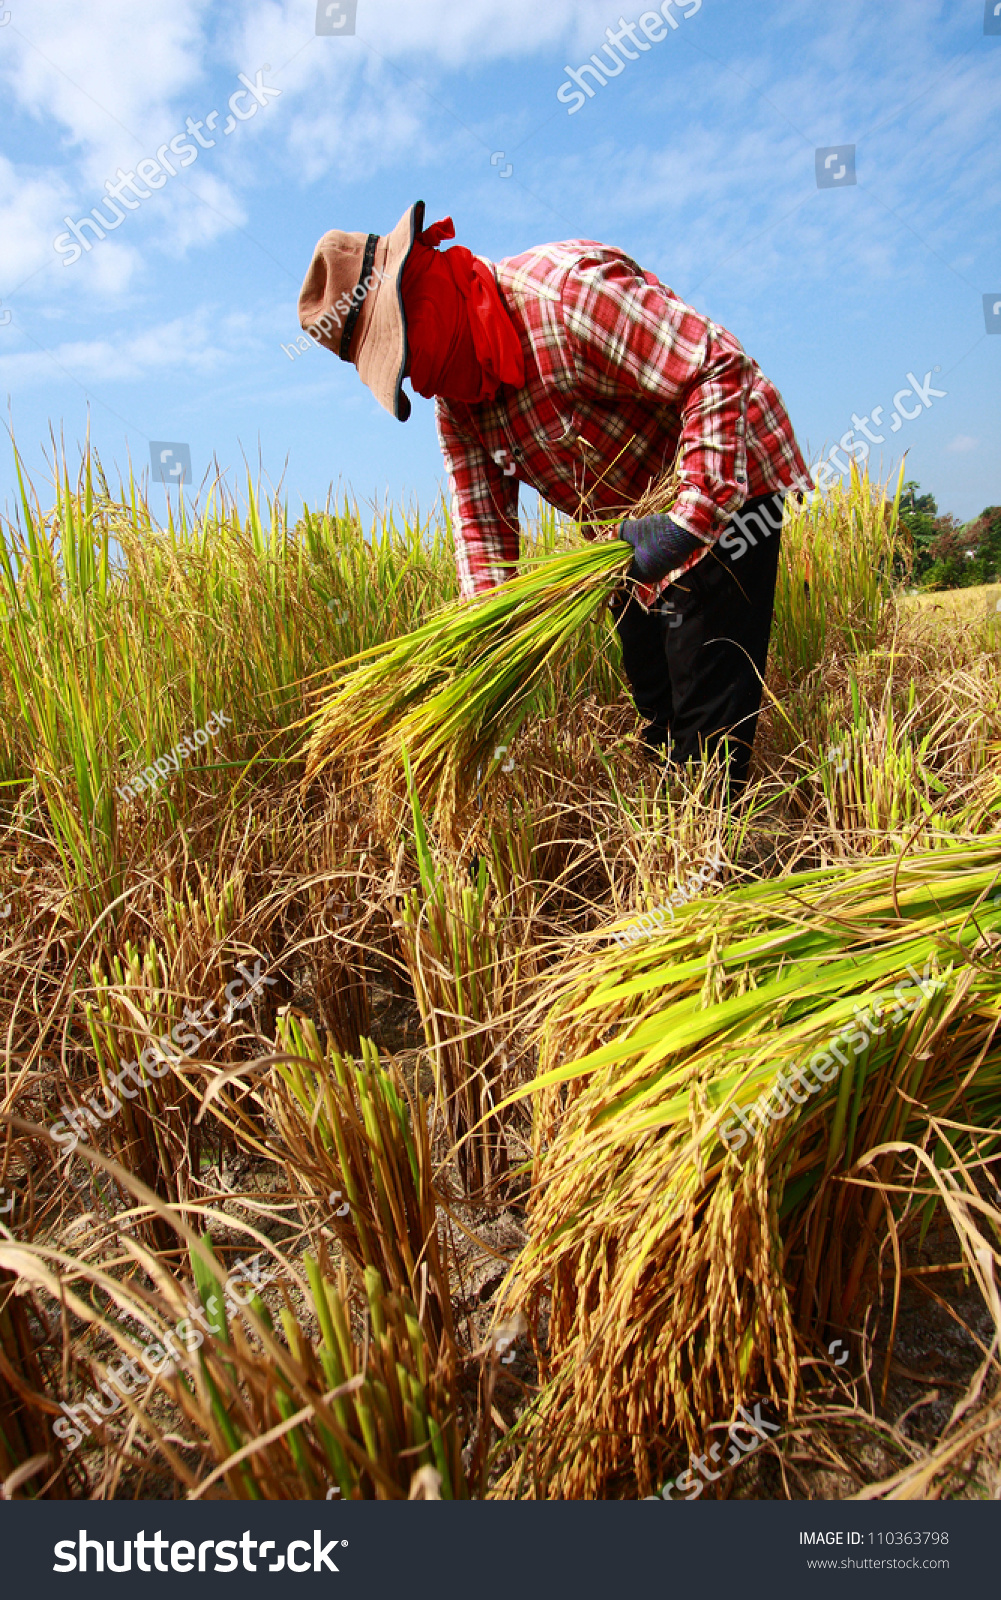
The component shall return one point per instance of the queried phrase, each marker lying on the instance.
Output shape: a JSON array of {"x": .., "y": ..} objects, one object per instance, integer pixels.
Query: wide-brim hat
[{"x": 351, "y": 302}]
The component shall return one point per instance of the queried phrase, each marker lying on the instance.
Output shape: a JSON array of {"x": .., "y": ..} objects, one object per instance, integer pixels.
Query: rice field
[{"x": 432, "y": 1119}]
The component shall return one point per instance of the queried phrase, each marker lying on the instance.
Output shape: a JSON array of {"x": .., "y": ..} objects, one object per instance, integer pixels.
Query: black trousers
[{"x": 695, "y": 663}]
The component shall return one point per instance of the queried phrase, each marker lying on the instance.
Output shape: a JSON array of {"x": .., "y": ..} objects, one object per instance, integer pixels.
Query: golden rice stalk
[
  {"x": 964, "y": 1448},
  {"x": 33, "y": 1462},
  {"x": 679, "y": 1251}
]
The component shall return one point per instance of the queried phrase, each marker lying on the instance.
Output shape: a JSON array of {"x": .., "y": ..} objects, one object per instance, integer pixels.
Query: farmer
[{"x": 570, "y": 369}]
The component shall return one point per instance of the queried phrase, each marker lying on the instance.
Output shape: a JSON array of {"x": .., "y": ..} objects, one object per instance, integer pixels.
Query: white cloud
[
  {"x": 452, "y": 32},
  {"x": 341, "y": 135},
  {"x": 207, "y": 210},
  {"x": 27, "y": 206},
  {"x": 962, "y": 444},
  {"x": 107, "y": 90},
  {"x": 358, "y": 107},
  {"x": 104, "y": 74},
  {"x": 184, "y": 344}
]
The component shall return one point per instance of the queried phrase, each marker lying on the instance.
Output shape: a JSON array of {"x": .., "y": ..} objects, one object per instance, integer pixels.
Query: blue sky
[{"x": 698, "y": 158}]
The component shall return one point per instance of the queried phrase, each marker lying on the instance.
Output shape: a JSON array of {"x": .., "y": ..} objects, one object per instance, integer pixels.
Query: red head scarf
[{"x": 463, "y": 344}]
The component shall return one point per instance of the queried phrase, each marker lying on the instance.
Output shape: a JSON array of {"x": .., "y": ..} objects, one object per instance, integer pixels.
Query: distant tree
[
  {"x": 984, "y": 535},
  {"x": 949, "y": 554},
  {"x": 953, "y": 556},
  {"x": 918, "y": 513}
]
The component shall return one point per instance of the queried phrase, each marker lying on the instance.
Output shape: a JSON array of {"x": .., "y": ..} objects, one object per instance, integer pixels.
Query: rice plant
[
  {"x": 472, "y": 967},
  {"x": 843, "y": 546}
]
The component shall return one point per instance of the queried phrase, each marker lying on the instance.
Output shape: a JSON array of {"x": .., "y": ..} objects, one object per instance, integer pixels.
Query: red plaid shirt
[{"x": 618, "y": 373}]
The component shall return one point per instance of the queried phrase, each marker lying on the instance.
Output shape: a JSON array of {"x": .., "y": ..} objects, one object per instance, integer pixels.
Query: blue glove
[{"x": 659, "y": 546}]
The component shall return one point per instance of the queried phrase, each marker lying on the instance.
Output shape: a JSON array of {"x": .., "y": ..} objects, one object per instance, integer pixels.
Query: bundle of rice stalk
[
  {"x": 271, "y": 1410},
  {"x": 687, "y": 1209},
  {"x": 462, "y": 684},
  {"x": 353, "y": 1132}
]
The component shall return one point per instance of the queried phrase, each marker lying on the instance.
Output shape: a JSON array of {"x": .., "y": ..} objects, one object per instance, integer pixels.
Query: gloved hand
[{"x": 659, "y": 546}]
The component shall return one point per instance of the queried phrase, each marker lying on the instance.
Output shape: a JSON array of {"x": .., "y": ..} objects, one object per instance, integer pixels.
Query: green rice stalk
[
  {"x": 354, "y": 1127},
  {"x": 462, "y": 683}
]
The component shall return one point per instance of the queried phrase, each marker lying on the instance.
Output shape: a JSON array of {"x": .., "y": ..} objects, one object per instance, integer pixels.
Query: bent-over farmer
[{"x": 571, "y": 369}]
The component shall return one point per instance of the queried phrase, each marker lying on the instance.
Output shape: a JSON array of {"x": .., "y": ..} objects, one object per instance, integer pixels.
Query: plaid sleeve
[
  {"x": 484, "y": 509},
  {"x": 629, "y": 335}
]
